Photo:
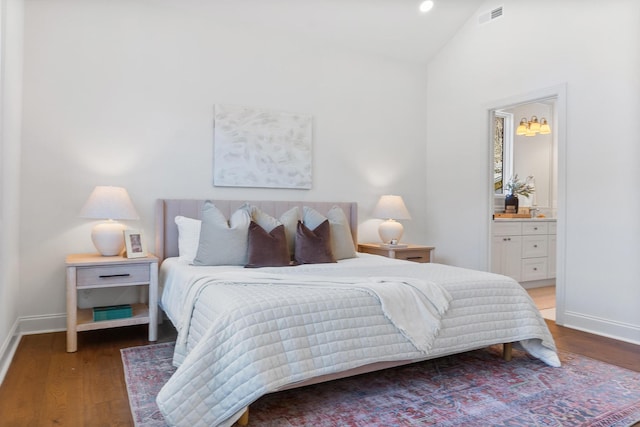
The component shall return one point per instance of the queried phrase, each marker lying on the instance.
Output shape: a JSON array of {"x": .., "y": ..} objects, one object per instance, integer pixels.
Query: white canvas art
[{"x": 261, "y": 148}]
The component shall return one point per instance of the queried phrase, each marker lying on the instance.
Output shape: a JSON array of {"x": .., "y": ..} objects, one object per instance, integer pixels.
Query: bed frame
[{"x": 167, "y": 246}]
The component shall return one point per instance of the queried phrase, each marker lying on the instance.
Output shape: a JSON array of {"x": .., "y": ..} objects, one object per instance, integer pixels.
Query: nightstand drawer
[
  {"x": 416, "y": 255},
  {"x": 112, "y": 275}
]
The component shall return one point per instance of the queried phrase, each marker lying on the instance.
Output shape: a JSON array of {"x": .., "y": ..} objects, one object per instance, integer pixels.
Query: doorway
[{"x": 543, "y": 164}]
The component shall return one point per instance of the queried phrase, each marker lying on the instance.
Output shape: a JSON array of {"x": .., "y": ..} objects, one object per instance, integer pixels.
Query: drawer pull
[
  {"x": 535, "y": 228},
  {"x": 107, "y": 276},
  {"x": 535, "y": 268},
  {"x": 535, "y": 246},
  {"x": 413, "y": 257}
]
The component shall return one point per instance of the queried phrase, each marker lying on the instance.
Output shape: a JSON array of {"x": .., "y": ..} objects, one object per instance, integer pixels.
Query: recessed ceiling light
[{"x": 426, "y": 6}]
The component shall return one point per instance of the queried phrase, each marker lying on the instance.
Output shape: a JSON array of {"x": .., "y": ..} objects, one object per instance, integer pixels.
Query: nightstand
[
  {"x": 92, "y": 271},
  {"x": 414, "y": 253}
]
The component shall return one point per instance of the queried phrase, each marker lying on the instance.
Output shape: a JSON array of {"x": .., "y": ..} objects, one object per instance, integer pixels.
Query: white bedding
[{"x": 240, "y": 342}]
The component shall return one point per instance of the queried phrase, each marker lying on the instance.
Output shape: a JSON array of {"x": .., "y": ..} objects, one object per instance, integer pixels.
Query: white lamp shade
[
  {"x": 109, "y": 203},
  {"x": 390, "y": 208}
]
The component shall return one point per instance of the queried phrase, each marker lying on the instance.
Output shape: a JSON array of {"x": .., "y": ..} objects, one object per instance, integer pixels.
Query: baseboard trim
[
  {"x": 30, "y": 325},
  {"x": 605, "y": 327},
  {"x": 8, "y": 349}
]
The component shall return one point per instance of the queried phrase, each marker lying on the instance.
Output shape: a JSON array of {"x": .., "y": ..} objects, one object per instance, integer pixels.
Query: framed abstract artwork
[{"x": 254, "y": 147}]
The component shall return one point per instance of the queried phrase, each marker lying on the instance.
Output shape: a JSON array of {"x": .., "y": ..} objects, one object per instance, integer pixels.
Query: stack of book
[{"x": 112, "y": 312}]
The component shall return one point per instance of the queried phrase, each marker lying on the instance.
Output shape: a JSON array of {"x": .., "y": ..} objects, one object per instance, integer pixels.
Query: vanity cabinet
[
  {"x": 524, "y": 250},
  {"x": 506, "y": 248}
]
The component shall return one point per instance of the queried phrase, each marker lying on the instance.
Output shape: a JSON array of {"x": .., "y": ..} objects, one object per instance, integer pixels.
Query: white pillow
[
  {"x": 341, "y": 239},
  {"x": 222, "y": 242},
  {"x": 188, "y": 237}
]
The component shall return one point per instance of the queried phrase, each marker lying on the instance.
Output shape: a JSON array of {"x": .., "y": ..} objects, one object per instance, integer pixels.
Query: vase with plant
[{"x": 513, "y": 189}]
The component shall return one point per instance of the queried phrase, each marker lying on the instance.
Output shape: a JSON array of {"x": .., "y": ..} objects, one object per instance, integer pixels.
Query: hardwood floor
[
  {"x": 544, "y": 297},
  {"x": 47, "y": 386}
]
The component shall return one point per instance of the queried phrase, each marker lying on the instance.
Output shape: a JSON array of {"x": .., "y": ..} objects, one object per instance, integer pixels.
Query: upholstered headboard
[{"x": 168, "y": 209}]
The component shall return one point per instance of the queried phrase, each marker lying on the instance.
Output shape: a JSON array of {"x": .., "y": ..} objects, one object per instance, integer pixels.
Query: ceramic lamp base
[
  {"x": 390, "y": 231},
  {"x": 108, "y": 238}
]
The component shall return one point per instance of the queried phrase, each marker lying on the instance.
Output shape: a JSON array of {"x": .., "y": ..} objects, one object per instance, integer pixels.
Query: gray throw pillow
[{"x": 222, "y": 242}]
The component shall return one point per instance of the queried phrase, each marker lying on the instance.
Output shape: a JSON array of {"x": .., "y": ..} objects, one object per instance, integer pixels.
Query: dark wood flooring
[{"x": 46, "y": 386}]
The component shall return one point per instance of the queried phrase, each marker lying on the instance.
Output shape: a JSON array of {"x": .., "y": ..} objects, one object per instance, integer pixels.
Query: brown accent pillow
[
  {"x": 267, "y": 249},
  {"x": 313, "y": 246}
]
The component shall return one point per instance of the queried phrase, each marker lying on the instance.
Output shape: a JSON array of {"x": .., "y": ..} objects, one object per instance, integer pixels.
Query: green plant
[{"x": 516, "y": 187}]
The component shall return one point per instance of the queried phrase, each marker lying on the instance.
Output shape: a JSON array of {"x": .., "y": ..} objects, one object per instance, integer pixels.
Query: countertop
[{"x": 524, "y": 219}]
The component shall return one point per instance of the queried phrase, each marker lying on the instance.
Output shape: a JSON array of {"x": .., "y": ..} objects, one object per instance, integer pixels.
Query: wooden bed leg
[
  {"x": 506, "y": 351},
  {"x": 244, "y": 419}
]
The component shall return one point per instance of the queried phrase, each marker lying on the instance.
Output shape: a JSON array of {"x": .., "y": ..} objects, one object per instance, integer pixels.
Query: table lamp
[
  {"x": 391, "y": 208},
  {"x": 109, "y": 203}
]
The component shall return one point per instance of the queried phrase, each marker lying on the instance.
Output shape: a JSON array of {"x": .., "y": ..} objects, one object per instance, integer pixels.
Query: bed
[{"x": 245, "y": 332}]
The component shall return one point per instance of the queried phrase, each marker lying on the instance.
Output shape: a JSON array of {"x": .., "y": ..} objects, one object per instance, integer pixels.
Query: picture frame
[{"x": 135, "y": 244}]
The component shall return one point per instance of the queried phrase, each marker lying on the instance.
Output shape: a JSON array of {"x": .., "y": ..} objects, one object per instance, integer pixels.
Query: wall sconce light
[
  {"x": 109, "y": 203},
  {"x": 533, "y": 126},
  {"x": 390, "y": 208}
]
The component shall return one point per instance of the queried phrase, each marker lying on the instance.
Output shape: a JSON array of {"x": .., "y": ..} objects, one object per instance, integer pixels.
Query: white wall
[
  {"x": 530, "y": 48},
  {"x": 11, "y": 14},
  {"x": 122, "y": 93}
]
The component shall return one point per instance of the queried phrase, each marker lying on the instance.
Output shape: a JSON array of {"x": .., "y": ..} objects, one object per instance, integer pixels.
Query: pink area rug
[{"x": 472, "y": 389}]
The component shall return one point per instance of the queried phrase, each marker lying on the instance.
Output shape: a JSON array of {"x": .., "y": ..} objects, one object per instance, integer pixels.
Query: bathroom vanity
[{"x": 525, "y": 249}]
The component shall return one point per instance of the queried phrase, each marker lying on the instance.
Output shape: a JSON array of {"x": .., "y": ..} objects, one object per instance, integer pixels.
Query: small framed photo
[{"x": 135, "y": 244}]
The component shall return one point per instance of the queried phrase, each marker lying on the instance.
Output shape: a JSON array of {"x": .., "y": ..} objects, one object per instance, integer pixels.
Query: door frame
[{"x": 559, "y": 92}]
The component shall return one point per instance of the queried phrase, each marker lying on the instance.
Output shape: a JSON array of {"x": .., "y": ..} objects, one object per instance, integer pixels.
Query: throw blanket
[{"x": 414, "y": 306}]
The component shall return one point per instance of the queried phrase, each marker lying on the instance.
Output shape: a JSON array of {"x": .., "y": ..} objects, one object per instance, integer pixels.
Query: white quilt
[{"x": 238, "y": 342}]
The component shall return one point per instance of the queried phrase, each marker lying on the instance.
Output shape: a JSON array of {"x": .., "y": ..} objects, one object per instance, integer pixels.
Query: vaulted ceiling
[{"x": 393, "y": 28}]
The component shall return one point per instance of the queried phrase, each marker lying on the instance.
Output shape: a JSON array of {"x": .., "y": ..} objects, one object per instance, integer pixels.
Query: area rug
[{"x": 476, "y": 388}]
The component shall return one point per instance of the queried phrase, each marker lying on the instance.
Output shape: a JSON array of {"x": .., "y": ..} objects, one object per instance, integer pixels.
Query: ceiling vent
[{"x": 490, "y": 16}]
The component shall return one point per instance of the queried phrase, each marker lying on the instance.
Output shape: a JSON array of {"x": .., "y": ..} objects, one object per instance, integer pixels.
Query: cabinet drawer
[
  {"x": 534, "y": 269},
  {"x": 534, "y": 246},
  {"x": 111, "y": 275},
  {"x": 417, "y": 255},
  {"x": 553, "y": 226},
  {"x": 535, "y": 228},
  {"x": 507, "y": 228}
]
